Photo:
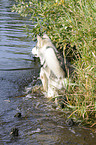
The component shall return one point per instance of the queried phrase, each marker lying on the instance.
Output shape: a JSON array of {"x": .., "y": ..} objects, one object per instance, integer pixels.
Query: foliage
[{"x": 69, "y": 22}]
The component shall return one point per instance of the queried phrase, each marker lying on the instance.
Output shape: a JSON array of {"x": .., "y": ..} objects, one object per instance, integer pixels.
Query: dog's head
[
  {"x": 40, "y": 44},
  {"x": 42, "y": 41},
  {"x": 40, "y": 47}
]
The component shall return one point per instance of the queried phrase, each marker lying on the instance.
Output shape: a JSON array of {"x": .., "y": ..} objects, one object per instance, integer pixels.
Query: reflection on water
[{"x": 39, "y": 124}]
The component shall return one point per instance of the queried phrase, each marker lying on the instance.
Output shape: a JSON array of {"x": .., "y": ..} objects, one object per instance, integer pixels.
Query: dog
[{"x": 52, "y": 72}]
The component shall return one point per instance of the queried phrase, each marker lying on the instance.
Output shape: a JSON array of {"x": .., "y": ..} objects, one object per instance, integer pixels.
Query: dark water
[{"x": 40, "y": 124}]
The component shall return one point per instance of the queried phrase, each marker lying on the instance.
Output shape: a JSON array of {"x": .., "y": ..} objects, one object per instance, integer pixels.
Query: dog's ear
[
  {"x": 45, "y": 36},
  {"x": 39, "y": 39}
]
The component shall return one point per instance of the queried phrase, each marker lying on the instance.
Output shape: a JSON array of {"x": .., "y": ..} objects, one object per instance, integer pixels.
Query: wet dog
[{"x": 52, "y": 73}]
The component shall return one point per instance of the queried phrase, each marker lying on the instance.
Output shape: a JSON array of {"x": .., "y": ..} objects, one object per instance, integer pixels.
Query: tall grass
[{"x": 73, "y": 24}]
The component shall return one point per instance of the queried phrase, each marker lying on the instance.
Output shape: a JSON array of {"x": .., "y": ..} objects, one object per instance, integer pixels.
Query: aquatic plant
[{"x": 71, "y": 25}]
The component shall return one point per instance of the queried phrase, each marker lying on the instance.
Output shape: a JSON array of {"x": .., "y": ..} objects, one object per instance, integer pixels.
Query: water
[{"x": 40, "y": 123}]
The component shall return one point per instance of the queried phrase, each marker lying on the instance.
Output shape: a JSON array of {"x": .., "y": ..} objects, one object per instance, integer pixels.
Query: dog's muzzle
[{"x": 34, "y": 51}]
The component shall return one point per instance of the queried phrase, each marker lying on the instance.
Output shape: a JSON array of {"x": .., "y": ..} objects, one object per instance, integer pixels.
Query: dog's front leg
[
  {"x": 44, "y": 79},
  {"x": 52, "y": 91}
]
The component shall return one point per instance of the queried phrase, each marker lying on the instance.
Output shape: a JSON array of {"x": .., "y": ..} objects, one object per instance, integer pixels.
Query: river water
[{"x": 40, "y": 123}]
